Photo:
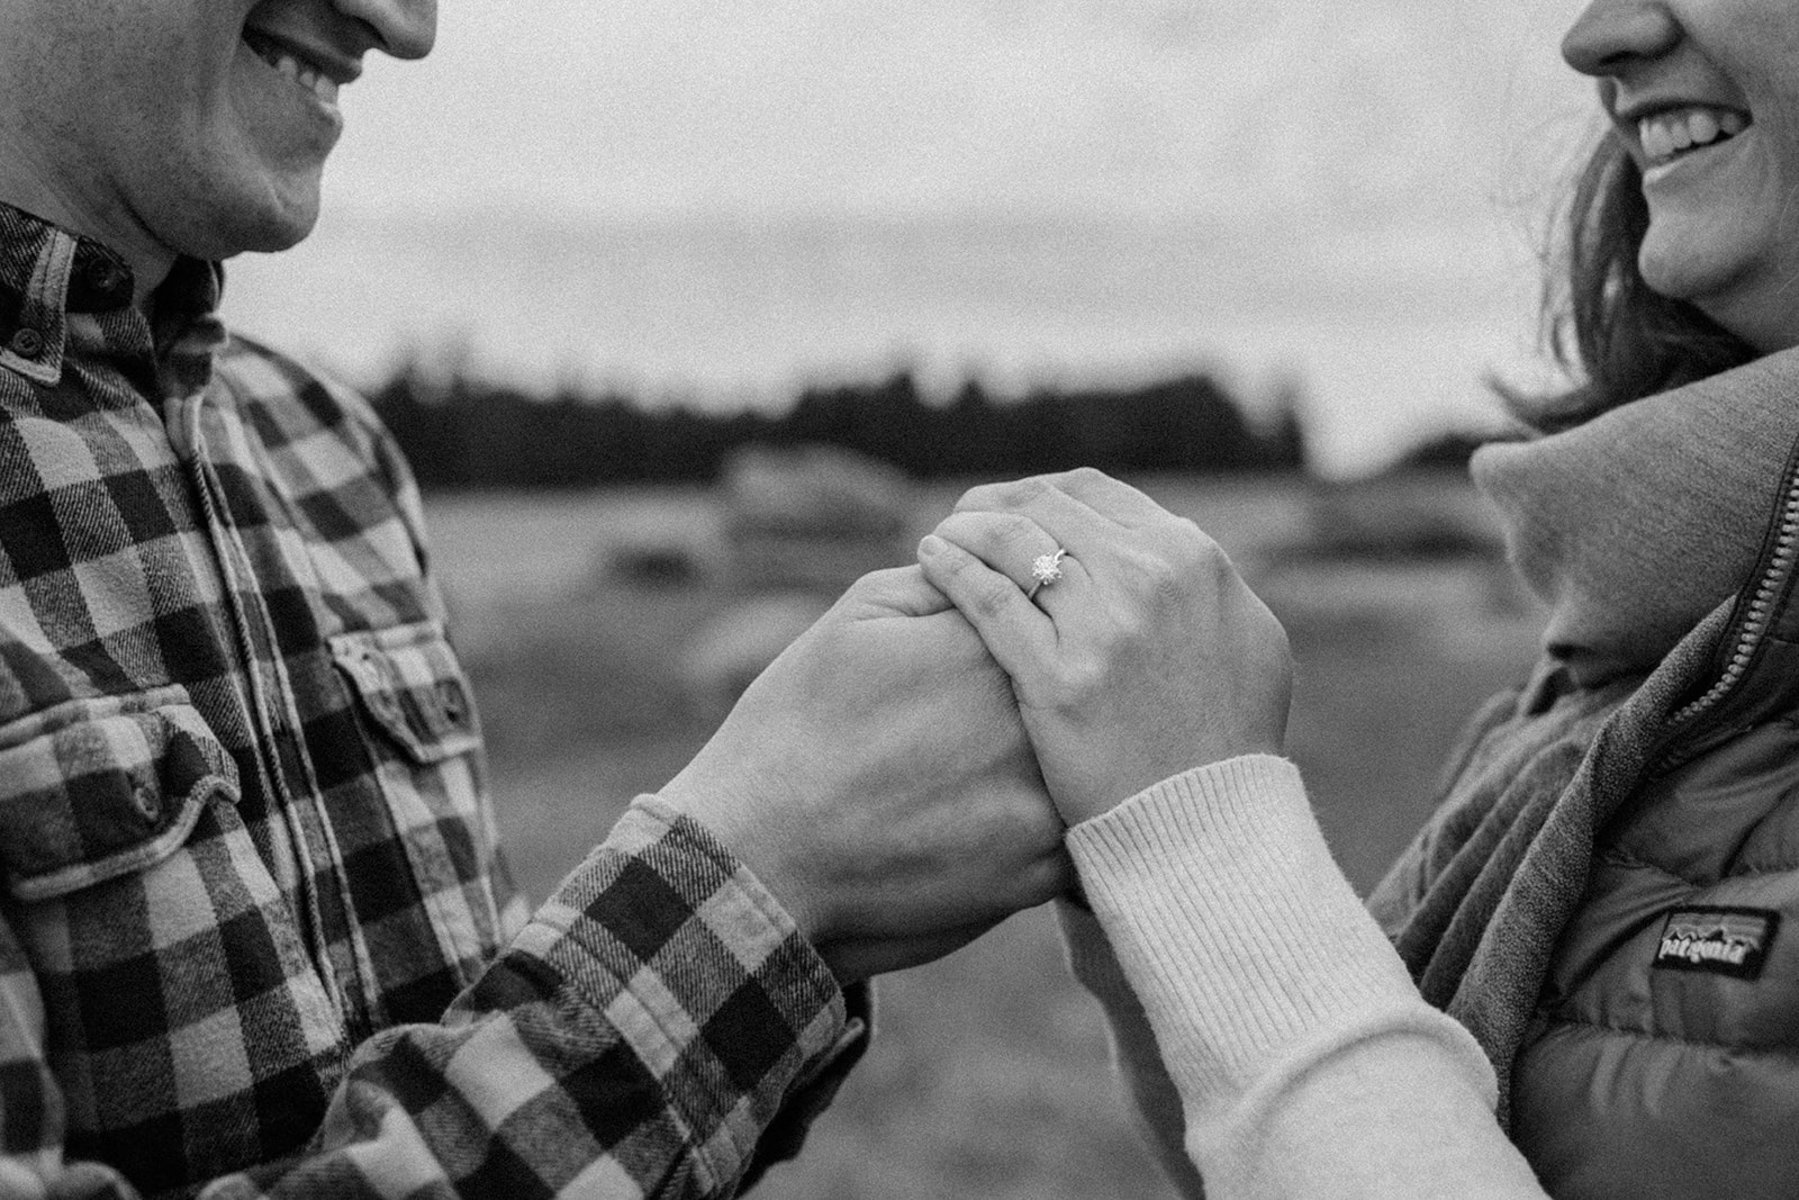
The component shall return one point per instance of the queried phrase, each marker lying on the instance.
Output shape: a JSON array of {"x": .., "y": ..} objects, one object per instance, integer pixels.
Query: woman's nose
[
  {"x": 406, "y": 28},
  {"x": 1611, "y": 34}
]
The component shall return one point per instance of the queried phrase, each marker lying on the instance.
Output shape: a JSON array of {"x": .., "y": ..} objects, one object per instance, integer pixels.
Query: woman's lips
[{"x": 1671, "y": 132}]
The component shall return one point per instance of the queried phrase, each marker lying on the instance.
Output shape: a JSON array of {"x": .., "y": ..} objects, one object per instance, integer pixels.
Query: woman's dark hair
[{"x": 1619, "y": 338}]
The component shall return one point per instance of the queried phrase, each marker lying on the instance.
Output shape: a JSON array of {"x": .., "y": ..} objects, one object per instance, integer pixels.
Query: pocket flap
[
  {"x": 413, "y": 687},
  {"x": 94, "y": 789}
]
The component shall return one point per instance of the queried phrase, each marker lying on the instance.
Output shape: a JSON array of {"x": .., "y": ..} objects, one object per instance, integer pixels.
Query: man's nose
[
  {"x": 405, "y": 28},
  {"x": 1612, "y": 34}
]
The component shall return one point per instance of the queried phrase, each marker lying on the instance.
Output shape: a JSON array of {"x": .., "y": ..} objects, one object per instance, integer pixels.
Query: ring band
[{"x": 1045, "y": 570}]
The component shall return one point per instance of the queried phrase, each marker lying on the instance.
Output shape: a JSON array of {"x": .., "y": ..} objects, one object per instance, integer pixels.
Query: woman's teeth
[
  {"x": 1668, "y": 134},
  {"x": 304, "y": 74}
]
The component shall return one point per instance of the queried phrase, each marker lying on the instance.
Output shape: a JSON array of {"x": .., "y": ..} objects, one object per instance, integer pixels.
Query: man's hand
[
  {"x": 877, "y": 779},
  {"x": 1147, "y": 657}
]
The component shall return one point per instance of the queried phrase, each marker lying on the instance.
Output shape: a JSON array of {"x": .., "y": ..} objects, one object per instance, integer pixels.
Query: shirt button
[
  {"x": 27, "y": 342},
  {"x": 147, "y": 802},
  {"x": 455, "y": 705},
  {"x": 106, "y": 277}
]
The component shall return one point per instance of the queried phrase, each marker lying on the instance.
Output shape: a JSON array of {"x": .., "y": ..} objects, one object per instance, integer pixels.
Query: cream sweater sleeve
[{"x": 1304, "y": 1061}]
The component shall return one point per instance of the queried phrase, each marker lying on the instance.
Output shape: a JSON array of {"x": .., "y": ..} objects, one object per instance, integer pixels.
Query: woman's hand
[{"x": 1148, "y": 656}]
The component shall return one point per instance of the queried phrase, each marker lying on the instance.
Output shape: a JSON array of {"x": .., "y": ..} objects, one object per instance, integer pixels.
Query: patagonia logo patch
[{"x": 1718, "y": 941}]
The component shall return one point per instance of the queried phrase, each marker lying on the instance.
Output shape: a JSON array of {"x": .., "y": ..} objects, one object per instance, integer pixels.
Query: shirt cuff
[{"x": 704, "y": 976}]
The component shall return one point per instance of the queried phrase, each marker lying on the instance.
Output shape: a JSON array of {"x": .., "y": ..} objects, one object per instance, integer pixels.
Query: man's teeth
[
  {"x": 1667, "y": 134},
  {"x": 307, "y": 76}
]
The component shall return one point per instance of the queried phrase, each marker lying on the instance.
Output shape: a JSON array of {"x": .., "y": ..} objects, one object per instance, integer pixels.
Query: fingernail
[{"x": 931, "y": 546}]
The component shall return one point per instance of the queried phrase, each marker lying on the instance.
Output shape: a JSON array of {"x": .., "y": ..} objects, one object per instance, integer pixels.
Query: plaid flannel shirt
[{"x": 256, "y": 937}]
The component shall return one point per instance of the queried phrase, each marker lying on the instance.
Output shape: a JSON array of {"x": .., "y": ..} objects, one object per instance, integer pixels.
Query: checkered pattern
[{"x": 255, "y": 934}]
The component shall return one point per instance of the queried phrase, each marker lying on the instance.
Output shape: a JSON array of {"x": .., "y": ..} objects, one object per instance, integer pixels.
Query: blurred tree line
[{"x": 461, "y": 432}]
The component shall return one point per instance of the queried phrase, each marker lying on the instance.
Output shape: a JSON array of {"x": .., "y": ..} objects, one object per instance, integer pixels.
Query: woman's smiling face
[{"x": 1706, "y": 95}]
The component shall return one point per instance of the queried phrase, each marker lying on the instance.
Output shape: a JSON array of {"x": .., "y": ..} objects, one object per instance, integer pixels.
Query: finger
[
  {"x": 1016, "y": 632},
  {"x": 1070, "y": 521},
  {"x": 854, "y": 959},
  {"x": 1109, "y": 497},
  {"x": 1050, "y": 877},
  {"x": 1010, "y": 543}
]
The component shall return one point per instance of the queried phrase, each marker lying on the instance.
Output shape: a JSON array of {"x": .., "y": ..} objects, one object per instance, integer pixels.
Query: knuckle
[
  {"x": 1195, "y": 547},
  {"x": 880, "y": 581},
  {"x": 957, "y": 562},
  {"x": 862, "y": 589},
  {"x": 1130, "y": 627},
  {"x": 1191, "y": 542},
  {"x": 1018, "y": 532},
  {"x": 954, "y": 528},
  {"x": 976, "y": 499},
  {"x": 990, "y": 597},
  {"x": 1155, "y": 578},
  {"x": 1162, "y": 575},
  {"x": 999, "y": 497},
  {"x": 1211, "y": 567},
  {"x": 1021, "y": 493},
  {"x": 989, "y": 531},
  {"x": 1050, "y": 876},
  {"x": 1078, "y": 678}
]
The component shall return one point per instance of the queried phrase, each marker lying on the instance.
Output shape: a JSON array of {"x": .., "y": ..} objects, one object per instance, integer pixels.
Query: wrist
[
  {"x": 743, "y": 825},
  {"x": 1079, "y": 801}
]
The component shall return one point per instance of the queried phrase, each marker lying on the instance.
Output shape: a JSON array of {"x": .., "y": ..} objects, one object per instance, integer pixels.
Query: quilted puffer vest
[{"x": 1663, "y": 1061}]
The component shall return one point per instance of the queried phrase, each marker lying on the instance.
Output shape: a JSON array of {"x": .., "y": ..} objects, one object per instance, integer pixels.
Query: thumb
[{"x": 895, "y": 592}]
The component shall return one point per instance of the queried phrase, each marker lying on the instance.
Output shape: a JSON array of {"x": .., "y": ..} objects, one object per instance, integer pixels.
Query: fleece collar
[{"x": 1633, "y": 526}]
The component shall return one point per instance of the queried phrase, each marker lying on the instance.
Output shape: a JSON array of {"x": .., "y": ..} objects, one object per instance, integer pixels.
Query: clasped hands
[{"x": 902, "y": 775}]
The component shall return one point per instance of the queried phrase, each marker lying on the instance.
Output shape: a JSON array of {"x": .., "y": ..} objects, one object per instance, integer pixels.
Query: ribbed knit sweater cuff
[{"x": 1251, "y": 954}]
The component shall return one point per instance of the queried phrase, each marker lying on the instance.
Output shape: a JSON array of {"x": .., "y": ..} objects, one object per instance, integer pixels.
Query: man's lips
[{"x": 318, "y": 66}]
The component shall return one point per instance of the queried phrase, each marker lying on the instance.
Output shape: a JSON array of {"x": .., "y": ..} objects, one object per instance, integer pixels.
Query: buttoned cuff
[{"x": 705, "y": 977}]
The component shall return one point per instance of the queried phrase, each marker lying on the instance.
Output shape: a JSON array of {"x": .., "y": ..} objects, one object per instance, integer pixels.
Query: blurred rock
[
  {"x": 813, "y": 517},
  {"x": 663, "y": 540},
  {"x": 658, "y": 565}
]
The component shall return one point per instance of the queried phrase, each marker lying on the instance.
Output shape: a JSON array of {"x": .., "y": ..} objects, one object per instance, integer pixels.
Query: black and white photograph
[{"x": 899, "y": 600}]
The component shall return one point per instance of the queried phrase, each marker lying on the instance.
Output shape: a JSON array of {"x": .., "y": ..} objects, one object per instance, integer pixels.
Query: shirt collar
[{"x": 49, "y": 275}]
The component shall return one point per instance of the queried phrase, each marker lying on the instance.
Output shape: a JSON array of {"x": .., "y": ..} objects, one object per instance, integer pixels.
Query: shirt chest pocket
[
  {"x": 92, "y": 790},
  {"x": 418, "y": 717},
  {"x": 155, "y": 931}
]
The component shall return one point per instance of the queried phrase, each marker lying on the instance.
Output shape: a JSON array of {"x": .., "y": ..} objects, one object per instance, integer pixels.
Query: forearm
[
  {"x": 640, "y": 1034},
  {"x": 637, "y": 1039},
  {"x": 1304, "y": 1059}
]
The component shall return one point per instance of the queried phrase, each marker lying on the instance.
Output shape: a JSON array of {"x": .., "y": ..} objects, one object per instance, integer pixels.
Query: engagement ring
[{"x": 1045, "y": 570}]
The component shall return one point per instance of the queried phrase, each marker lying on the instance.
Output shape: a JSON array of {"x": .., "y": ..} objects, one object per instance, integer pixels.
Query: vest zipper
[{"x": 1751, "y": 626}]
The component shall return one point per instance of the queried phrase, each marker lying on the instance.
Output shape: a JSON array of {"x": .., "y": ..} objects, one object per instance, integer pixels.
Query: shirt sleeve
[
  {"x": 656, "y": 1030},
  {"x": 1303, "y": 1061}
]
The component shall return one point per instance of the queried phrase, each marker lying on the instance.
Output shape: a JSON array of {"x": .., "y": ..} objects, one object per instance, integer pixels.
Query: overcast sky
[
  {"x": 1338, "y": 111},
  {"x": 1374, "y": 175}
]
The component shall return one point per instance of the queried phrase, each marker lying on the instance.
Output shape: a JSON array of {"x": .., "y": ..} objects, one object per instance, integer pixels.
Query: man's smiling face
[{"x": 201, "y": 125}]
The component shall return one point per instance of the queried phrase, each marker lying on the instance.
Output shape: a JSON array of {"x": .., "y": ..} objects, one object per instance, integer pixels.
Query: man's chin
[
  {"x": 266, "y": 223},
  {"x": 276, "y": 230}
]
